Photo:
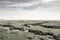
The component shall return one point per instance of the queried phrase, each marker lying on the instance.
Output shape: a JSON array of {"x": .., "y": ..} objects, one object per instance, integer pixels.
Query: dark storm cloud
[
  {"x": 11, "y": 4},
  {"x": 7, "y": 3},
  {"x": 18, "y": 0}
]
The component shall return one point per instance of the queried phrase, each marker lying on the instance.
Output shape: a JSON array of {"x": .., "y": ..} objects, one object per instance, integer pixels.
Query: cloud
[
  {"x": 16, "y": 0},
  {"x": 17, "y": 4},
  {"x": 30, "y": 4},
  {"x": 32, "y": 10}
]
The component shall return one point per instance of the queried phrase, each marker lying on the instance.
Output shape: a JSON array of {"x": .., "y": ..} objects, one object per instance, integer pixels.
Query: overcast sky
[{"x": 30, "y": 9}]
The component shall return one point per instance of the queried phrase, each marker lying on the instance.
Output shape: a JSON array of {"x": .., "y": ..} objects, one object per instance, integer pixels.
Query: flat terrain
[{"x": 29, "y": 30}]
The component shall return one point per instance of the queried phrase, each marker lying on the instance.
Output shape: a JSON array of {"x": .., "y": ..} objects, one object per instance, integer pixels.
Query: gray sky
[{"x": 30, "y": 9}]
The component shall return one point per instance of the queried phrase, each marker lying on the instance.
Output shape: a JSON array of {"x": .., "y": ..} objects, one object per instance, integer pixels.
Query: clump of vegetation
[{"x": 29, "y": 30}]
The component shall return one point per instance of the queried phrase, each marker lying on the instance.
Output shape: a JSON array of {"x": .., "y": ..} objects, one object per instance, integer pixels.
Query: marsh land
[{"x": 29, "y": 30}]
